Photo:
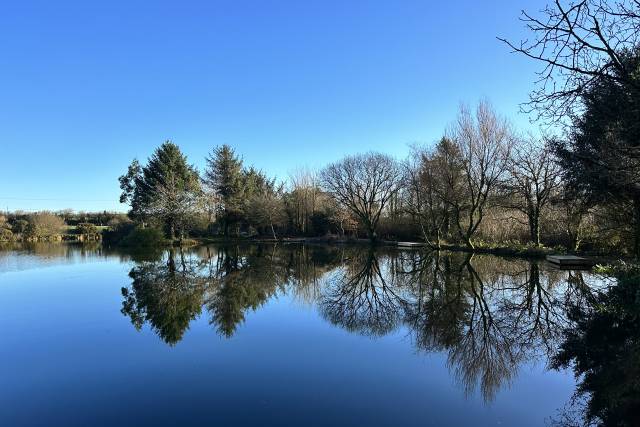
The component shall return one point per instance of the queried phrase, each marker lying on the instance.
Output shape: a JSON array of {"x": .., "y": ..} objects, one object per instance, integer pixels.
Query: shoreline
[{"x": 529, "y": 252}]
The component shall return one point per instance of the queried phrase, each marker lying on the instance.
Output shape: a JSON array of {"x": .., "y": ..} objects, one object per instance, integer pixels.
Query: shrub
[
  {"x": 117, "y": 232},
  {"x": 44, "y": 224},
  {"x": 20, "y": 226},
  {"x": 6, "y": 235},
  {"x": 144, "y": 237},
  {"x": 86, "y": 228}
]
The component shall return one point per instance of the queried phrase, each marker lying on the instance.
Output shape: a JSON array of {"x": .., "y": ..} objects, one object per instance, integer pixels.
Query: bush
[
  {"x": 117, "y": 232},
  {"x": 44, "y": 224},
  {"x": 144, "y": 237},
  {"x": 6, "y": 235},
  {"x": 86, "y": 228},
  {"x": 320, "y": 224},
  {"x": 20, "y": 226}
]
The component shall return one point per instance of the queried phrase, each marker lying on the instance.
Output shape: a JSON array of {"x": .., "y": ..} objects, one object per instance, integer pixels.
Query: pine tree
[
  {"x": 224, "y": 178},
  {"x": 166, "y": 189}
]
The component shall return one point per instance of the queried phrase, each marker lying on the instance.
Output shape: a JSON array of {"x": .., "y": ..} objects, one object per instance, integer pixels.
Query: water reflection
[
  {"x": 488, "y": 314},
  {"x": 167, "y": 294},
  {"x": 363, "y": 295},
  {"x": 240, "y": 281},
  {"x": 602, "y": 345}
]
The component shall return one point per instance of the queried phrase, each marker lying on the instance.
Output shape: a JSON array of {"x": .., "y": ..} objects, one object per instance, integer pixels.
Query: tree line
[
  {"x": 482, "y": 181},
  {"x": 56, "y": 226}
]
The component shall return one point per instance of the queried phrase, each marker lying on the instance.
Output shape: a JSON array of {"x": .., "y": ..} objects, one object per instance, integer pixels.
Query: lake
[{"x": 281, "y": 335}]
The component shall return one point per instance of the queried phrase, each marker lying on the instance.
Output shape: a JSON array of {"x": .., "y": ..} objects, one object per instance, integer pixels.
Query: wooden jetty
[
  {"x": 410, "y": 244},
  {"x": 570, "y": 261}
]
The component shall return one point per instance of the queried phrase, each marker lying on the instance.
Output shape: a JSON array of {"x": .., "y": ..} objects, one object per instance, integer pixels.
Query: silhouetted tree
[
  {"x": 601, "y": 158},
  {"x": 580, "y": 44},
  {"x": 590, "y": 52}
]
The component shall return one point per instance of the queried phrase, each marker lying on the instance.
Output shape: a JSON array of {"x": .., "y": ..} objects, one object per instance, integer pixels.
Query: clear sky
[{"x": 87, "y": 86}]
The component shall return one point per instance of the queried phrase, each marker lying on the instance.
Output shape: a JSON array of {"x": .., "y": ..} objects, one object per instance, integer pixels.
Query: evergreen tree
[
  {"x": 166, "y": 189},
  {"x": 601, "y": 159},
  {"x": 224, "y": 178}
]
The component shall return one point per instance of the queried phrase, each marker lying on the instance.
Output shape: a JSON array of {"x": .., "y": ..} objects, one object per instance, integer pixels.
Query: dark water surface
[{"x": 286, "y": 335}]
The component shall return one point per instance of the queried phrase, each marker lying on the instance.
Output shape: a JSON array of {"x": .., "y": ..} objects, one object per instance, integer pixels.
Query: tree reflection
[
  {"x": 456, "y": 311},
  {"x": 489, "y": 315},
  {"x": 361, "y": 296},
  {"x": 170, "y": 292},
  {"x": 166, "y": 295},
  {"x": 242, "y": 281},
  {"x": 602, "y": 345}
]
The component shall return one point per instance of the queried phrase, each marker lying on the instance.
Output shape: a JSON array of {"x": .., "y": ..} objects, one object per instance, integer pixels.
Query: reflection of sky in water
[{"x": 294, "y": 358}]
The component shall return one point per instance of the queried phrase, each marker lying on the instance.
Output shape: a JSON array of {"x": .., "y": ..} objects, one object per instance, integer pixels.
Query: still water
[{"x": 281, "y": 335}]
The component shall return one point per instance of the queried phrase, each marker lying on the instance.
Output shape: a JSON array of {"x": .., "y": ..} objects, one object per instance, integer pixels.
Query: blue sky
[{"x": 87, "y": 86}]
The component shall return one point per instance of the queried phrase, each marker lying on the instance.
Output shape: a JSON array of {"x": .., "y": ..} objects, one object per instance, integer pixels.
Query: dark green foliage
[
  {"x": 96, "y": 218},
  {"x": 166, "y": 189},
  {"x": 144, "y": 237},
  {"x": 224, "y": 179},
  {"x": 20, "y": 226},
  {"x": 321, "y": 223},
  {"x": 224, "y": 174},
  {"x": 602, "y": 158},
  {"x": 164, "y": 294},
  {"x": 115, "y": 233},
  {"x": 239, "y": 191},
  {"x": 603, "y": 347}
]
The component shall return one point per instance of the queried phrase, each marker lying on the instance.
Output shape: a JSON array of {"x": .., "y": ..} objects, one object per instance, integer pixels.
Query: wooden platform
[
  {"x": 570, "y": 261},
  {"x": 410, "y": 244}
]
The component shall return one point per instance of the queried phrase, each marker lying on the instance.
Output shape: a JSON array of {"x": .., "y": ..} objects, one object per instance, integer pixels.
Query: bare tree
[
  {"x": 484, "y": 143},
  {"x": 363, "y": 184},
  {"x": 424, "y": 176},
  {"x": 341, "y": 218},
  {"x": 534, "y": 176},
  {"x": 590, "y": 50},
  {"x": 579, "y": 43},
  {"x": 303, "y": 198},
  {"x": 266, "y": 209}
]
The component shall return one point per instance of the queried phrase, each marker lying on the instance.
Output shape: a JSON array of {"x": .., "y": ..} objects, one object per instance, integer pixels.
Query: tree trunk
[
  {"x": 172, "y": 229},
  {"x": 371, "y": 231},
  {"x": 534, "y": 228},
  {"x": 273, "y": 231},
  {"x": 468, "y": 242},
  {"x": 171, "y": 263}
]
